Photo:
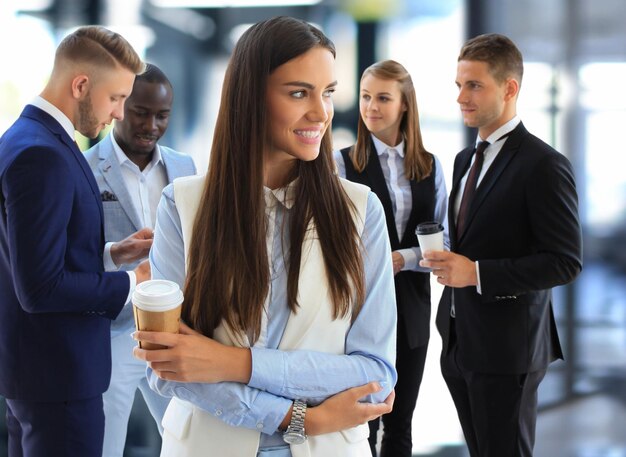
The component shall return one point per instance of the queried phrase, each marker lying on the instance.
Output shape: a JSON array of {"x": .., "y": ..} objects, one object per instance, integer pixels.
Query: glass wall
[
  {"x": 427, "y": 44},
  {"x": 576, "y": 50}
]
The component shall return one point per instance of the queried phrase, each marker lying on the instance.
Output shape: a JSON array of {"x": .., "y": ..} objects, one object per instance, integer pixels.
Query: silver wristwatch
[{"x": 295, "y": 431}]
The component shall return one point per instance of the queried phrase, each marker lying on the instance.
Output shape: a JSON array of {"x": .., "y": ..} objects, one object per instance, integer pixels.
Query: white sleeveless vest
[{"x": 191, "y": 432}]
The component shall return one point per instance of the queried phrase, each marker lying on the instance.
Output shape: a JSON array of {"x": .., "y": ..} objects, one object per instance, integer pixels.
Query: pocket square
[{"x": 107, "y": 196}]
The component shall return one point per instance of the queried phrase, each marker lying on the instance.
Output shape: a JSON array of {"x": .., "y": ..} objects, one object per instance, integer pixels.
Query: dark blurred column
[
  {"x": 71, "y": 13},
  {"x": 366, "y": 35},
  {"x": 366, "y": 38},
  {"x": 93, "y": 16},
  {"x": 65, "y": 14},
  {"x": 574, "y": 149},
  {"x": 94, "y": 11},
  {"x": 476, "y": 23},
  {"x": 476, "y": 19}
]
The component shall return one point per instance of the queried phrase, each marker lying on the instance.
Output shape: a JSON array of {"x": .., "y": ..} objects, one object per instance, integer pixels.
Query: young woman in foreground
[{"x": 286, "y": 271}]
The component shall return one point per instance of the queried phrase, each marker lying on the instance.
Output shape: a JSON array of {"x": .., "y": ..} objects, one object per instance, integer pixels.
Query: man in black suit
[{"x": 514, "y": 234}]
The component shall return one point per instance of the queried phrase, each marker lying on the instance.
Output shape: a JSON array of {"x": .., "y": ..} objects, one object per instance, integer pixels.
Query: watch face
[{"x": 294, "y": 437}]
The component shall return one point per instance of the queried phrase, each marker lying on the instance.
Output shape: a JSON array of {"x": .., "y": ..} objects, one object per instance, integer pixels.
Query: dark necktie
[{"x": 470, "y": 187}]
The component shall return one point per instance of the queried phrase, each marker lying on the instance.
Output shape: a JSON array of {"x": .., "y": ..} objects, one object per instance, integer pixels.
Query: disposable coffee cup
[
  {"x": 430, "y": 236},
  {"x": 156, "y": 305}
]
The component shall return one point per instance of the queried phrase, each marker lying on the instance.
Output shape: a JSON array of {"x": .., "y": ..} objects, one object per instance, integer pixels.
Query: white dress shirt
[
  {"x": 495, "y": 146},
  {"x": 144, "y": 186},
  {"x": 399, "y": 188},
  {"x": 392, "y": 162}
]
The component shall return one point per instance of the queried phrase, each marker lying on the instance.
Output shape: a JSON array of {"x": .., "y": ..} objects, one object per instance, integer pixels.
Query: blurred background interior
[{"x": 572, "y": 97}]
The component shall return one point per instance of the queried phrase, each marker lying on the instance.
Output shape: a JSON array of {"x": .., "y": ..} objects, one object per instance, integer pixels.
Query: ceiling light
[{"x": 230, "y": 3}]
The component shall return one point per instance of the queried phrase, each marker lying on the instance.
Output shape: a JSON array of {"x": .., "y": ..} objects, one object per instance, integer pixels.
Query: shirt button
[
  {"x": 259, "y": 425},
  {"x": 218, "y": 412}
]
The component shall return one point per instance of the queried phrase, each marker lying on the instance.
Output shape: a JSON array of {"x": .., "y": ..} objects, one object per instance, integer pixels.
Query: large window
[
  {"x": 428, "y": 44},
  {"x": 27, "y": 53}
]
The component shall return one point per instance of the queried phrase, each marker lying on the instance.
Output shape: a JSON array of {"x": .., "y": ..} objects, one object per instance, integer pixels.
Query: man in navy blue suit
[{"x": 56, "y": 301}]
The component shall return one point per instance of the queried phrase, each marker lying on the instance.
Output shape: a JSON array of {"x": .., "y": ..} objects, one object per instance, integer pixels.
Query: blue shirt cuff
[
  {"x": 262, "y": 412},
  {"x": 268, "y": 369}
]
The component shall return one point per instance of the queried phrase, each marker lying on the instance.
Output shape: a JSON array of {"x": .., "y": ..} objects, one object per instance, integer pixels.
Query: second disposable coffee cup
[
  {"x": 156, "y": 305},
  {"x": 430, "y": 236}
]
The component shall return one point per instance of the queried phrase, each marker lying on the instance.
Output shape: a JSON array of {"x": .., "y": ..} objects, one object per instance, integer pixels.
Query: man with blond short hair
[{"x": 56, "y": 301}]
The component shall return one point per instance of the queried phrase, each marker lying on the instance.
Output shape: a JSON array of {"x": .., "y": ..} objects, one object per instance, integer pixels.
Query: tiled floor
[
  {"x": 589, "y": 426},
  {"x": 592, "y": 426}
]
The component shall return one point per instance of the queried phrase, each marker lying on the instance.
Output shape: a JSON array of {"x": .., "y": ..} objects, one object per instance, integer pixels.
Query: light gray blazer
[{"x": 120, "y": 216}]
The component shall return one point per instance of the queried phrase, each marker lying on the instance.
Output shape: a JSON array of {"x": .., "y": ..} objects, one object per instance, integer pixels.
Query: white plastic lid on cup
[{"x": 157, "y": 295}]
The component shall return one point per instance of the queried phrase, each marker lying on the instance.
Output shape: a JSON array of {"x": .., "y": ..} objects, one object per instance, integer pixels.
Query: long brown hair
[
  {"x": 418, "y": 163},
  {"x": 228, "y": 271}
]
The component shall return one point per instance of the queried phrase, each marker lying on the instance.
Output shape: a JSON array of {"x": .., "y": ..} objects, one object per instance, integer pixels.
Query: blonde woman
[{"x": 390, "y": 158}]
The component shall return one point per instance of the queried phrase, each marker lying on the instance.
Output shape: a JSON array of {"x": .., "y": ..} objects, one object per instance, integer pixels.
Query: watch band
[
  {"x": 295, "y": 433},
  {"x": 297, "y": 416}
]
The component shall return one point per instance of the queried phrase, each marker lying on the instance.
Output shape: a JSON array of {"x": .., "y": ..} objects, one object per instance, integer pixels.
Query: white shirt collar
[
  {"x": 501, "y": 131},
  {"x": 56, "y": 113},
  {"x": 381, "y": 148},
  {"x": 122, "y": 157},
  {"x": 283, "y": 195}
]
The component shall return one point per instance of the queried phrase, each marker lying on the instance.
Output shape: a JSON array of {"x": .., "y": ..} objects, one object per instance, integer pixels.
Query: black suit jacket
[
  {"x": 412, "y": 287},
  {"x": 523, "y": 228}
]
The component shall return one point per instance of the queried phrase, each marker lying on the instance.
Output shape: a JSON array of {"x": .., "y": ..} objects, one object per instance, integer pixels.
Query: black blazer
[
  {"x": 412, "y": 288},
  {"x": 523, "y": 228}
]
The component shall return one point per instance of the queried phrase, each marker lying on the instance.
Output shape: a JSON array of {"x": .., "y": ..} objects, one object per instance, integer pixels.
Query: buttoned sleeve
[
  {"x": 370, "y": 343},
  {"x": 279, "y": 376},
  {"x": 440, "y": 215},
  {"x": 235, "y": 404}
]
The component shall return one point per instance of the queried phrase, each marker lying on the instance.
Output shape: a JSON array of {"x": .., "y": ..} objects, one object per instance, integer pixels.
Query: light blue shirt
[
  {"x": 144, "y": 188},
  {"x": 399, "y": 187},
  {"x": 279, "y": 377}
]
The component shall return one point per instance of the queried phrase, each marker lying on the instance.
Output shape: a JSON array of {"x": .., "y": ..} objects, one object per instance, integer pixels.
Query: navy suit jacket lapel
[
  {"x": 51, "y": 124},
  {"x": 379, "y": 186}
]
